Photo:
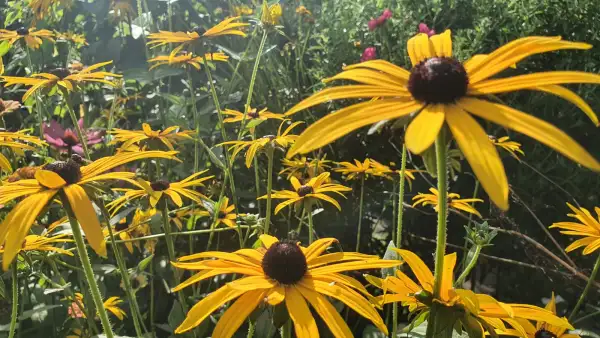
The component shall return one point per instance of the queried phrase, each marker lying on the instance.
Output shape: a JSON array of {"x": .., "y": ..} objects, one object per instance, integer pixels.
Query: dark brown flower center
[
  {"x": 305, "y": 190},
  {"x": 222, "y": 214},
  {"x": 199, "y": 30},
  {"x": 70, "y": 138},
  {"x": 285, "y": 262},
  {"x": 60, "y": 72},
  {"x": 438, "y": 80},
  {"x": 544, "y": 334},
  {"x": 270, "y": 137},
  {"x": 121, "y": 226},
  {"x": 160, "y": 185},
  {"x": 69, "y": 170},
  {"x": 22, "y": 31},
  {"x": 253, "y": 114}
]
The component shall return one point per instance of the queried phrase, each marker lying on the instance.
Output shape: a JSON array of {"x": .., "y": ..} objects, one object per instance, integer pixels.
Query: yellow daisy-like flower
[
  {"x": 18, "y": 142},
  {"x": 148, "y": 138},
  {"x": 512, "y": 147},
  {"x": 78, "y": 39},
  {"x": 67, "y": 179},
  {"x": 454, "y": 201},
  {"x": 33, "y": 38},
  {"x": 44, "y": 243},
  {"x": 588, "y": 228},
  {"x": 439, "y": 90},
  {"x": 479, "y": 311},
  {"x": 63, "y": 78},
  {"x": 226, "y": 214},
  {"x": 304, "y": 168},
  {"x": 42, "y": 7},
  {"x": 270, "y": 15},
  {"x": 282, "y": 271},
  {"x": 380, "y": 169},
  {"x": 302, "y": 10},
  {"x": 112, "y": 305},
  {"x": 355, "y": 171},
  {"x": 228, "y": 26},
  {"x": 282, "y": 140},
  {"x": 252, "y": 115},
  {"x": 313, "y": 190},
  {"x": 186, "y": 59},
  {"x": 241, "y": 10},
  {"x": 154, "y": 191}
]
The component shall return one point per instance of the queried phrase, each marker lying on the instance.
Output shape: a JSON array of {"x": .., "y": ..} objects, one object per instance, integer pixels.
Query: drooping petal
[
  {"x": 268, "y": 240},
  {"x": 327, "y": 311},
  {"x": 86, "y": 216},
  {"x": 424, "y": 128},
  {"x": 572, "y": 97},
  {"x": 418, "y": 267},
  {"x": 49, "y": 179},
  {"x": 447, "y": 276},
  {"x": 304, "y": 323},
  {"x": 233, "y": 318}
]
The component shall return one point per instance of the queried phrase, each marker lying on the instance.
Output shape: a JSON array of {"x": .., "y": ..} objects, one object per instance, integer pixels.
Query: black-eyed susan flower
[
  {"x": 315, "y": 189},
  {"x": 45, "y": 242},
  {"x": 252, "y": 115},
  {"x": 439, "y": 90},
  {"x": 111, "y": 304},
  {"x": 356, "y": 170},
  {"x": 42, "y": 7},
  {"x": 270, "y": 15},
  {"x": 588, "y": 227},
  {"x": 302, "y": 167},
  {"x": 18, "y": 142},
  {"x": 154, "y": 191},
  {"x": 225, "y": 215},
  {"x": 454, "y": 201},
  {"x": 512, "y": 147},
  {"x": 479, "y": 311},
  {"x": 282, "y": 272},
  {"x": 380, "y": 169},
  {"x": 33, "y": 38},
  {"x": 186, "y": 59},
  {"x": 77, "y": 39},
  {"x": 229, "y": 26},
  {"x": 241, "y": 10},
  {"x": 62, "y": 78},
  {"x": 67, "y": 179},
  {"x": 148, "y": 138},
  {"x": 302, "y": 10},
  {"x": 281, "y": 140}
]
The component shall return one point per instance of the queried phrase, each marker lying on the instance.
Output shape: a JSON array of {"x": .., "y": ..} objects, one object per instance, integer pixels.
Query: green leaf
[
  {"x": 4, "y": 48},
  {"x": 253, "y": 123},
  {"x": 143, "y": 264},
  {"x": 263, "y": 327},
  {"x": 38, "y": 313},
  {"x": 390, "y": 254},
  {"x": 373, "y": 332}
]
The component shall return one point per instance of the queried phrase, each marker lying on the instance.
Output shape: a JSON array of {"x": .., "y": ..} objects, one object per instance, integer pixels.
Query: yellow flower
[
  {"x": 148, "y": 138},
  {"x": 282, "y": 140},
  {"x": 226, "y": 214},
  {"x": 33, "y": 38},
  {"x": 313, "y": 190},
  {"x": 588, "y": 227},
  {"x": 154, "y": 191},
  {"x": 78, "y": 39},
  {"x": 42, "y": 7},
  {"x": 512, "y": 147},
  {"x": 454, "y": 201},
  {"x": 282, "y": 271},
  {"x": 253, "y": 114},
  {"x": 242, "y": 10},
  {"x": 439, "y": 90},
  {"x": 68, "y": 179},
  {"x": 303, "y": 10},
  {"x": 380, "y": 169},
  {"x": 355, "y": 171},
  {"x": 270, "y": 15},
  {"x": 44, "y": 243},
  {"x": 18, "y": 142},
  {"x": 479, "y": 311},
  {"x": 304, "y": 168},
  {"x": 228, "y": 26},
  {"x": 61, "y": 77},
  {"x": 187, "y": 59},
  {"x": 112, "y": 305}
]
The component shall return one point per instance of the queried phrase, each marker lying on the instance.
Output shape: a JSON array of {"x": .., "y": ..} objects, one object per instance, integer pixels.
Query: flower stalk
[
  {"x": 310, "y": 225},
  {"x": 586, "y": 290},
  {"x": 399, "y": 229},
  {"x": 360, "y": 211},
  {"x": 15, "y": 301},
  {"x": 80, "y": 134},
  {"x": 463, "y": 276},
  {"x": 270, "y": 155}
]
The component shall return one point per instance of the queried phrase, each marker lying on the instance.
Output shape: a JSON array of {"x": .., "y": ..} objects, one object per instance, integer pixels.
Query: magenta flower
[
  {"x": 369, "y": 53},
  {"x": 374, "y": 23},
  {"x": 387, "y": 13},
  {"x": 67, "y": 140},
  {"x": 423, "y": 28}
]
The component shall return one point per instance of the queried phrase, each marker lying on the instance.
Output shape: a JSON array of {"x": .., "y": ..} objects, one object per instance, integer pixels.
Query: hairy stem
[
  {"x": 463, "y": 276},
  {"x": 586, "y": 290},
  {"x": 15, "y": 301},
  {"x": 399, "y": 229},
  {"x": 360, "y": 211},
  {"x": 270, "y": 153}
]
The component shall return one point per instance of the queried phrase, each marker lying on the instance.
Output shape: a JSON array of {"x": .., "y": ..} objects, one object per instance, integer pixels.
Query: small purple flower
[
  {"x": 369, "y": 53},
  {"x": 387, "y": 13},
  {"x": 372, "y": 24},
  {"x": 423, "y": 28},
  {"x": 67, "y": 140}
]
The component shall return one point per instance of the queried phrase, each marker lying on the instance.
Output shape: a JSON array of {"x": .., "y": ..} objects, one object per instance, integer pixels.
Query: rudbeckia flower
[
  {"x": 154, "y": 191},
  {"x": 8, "y": 106},
  {"x": 226, "y": 27},
  {"x": 78, "y": 39},
  {"x": 42, "y": 7},
  {"x": 303, "y": 167},
  {"x": 31, "y": 36},
  {"x": 313, "y": 190},
  {"x": 186, "y": 59},
  {"x": 68, "y": 179},
  {"x": 270, "y": 15},
  {"x": 282, "y": 140},
  {"x": 148, "y": 138},
  {"x": 380, "y": 169},
  {"x": 226, "y": 214},
  {"x": 18, "y": 142},
  {"x": 242, "y": 10},
  {"x": 354, "y": 171},
  {"x": 282, "y": 272},
  {"x": 441, "y": 91},
  {"x": 61, "y": 77},
  {"x": 44, "y": 243},
  {"x": 588, "y": 227},
  {"x": 512, "y": 147},
  {"x": 454, "y": 201},
  {"x": 111, "y": 304},
  {"x": 252, "y": 115},
  {"x": 477, "y": 312}
]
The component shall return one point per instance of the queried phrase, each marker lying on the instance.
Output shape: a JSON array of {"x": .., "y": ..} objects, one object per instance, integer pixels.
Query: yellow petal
[
  {"x": 49, "y": 179},
  {"x": 424, "y": 128},
  {"x": 4, "y": 162},
  {"x": 418, "y": 267},
  {"x": 419, "y": 48},
  {"x": 268, "y": 240},
  {"x": 571, "y": 97},
  {"x": 317, "y": 248},
  {"x": 233, "y": 318},
  {"x": 480, "y": 153},
  {"x": 86, "y": 216},
  {"x": 328, "y": 312},
  {"x": 447, "y": 276},
  {"x": 531, "y": 81},
  {"x": 442, "y": 44},
  {"x": 304, "y": 323}
]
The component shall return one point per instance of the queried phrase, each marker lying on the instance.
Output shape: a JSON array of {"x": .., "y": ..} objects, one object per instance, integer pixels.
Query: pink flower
[
  {"x": 66, "y": 139},
  {"x": 372, "y": 24},
  {"x": 423, "y": 28},
  {"x": 387, "y": 13},
  {"x": 369, "y": 53}
]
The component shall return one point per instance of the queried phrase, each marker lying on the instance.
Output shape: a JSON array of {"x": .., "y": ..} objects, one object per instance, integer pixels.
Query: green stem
[
  {"x": 586, "y": 290},
  {"x": 196, "y": 122},
  {"x": 168, "y": 232},
  {"x": 15, "y": 301},
  {"x": 251, "y": 328},
  {"x": 360, "y": 211},
  {"x": 111, "y": 113},
  {"x": 441, "y": 158},
  {"x": 87, "y": 268},
  {"x": 182, "y": 233},
  {"x": 286, "y": 329},
  {"x": 152, "y": 299},
  {"x": 310, "y": 225},
  {"x": 257, "y": 184},
  {"x": 270, "y": 153},
  {"x": 38, "y": 102},
  {"x": 461, "y": 279},
  {"x": 475, "y": 190},
  {"x": 78, "y": 130},
  {"x": 399, "y": 224}
]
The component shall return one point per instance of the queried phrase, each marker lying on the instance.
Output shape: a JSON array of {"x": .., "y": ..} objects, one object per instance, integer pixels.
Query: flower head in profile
[
  {"x": 33, "y": 38},
  {"x": 253, "y": 114},
  {"x": 356, "y": 170},
  {"x": 8, "y": 106},
  {"x": 380, "y": 169},
  {"x": 281, "y": 140},
  {"x": 66, "y": 179},
  {"x": 305, "y": 13},
  {"x": 303, "y": 167},
  {"x": 41, "y": 8},
  {"x": 441, "y": 91},
  {"x": 63, "y": 78},
  {"x": 18, "y": 142},
  {"x": 150, "y": 139},
  {"x": 423, "y": 28},
  {"x": 315, "y": 189},
  {"x": 44, "y": 243},
  {"x": 242, "y": 10},
  {"x": 512, "y": 147},
  {"x": 385, "y": 16},
  {"x": 111, "y": 304},
  {"x": 370, "y": 53},
  {"x": 270, "y": 15},
  {"x": 454, "y": 201},
  {"x": 186, "y": 59},
  {"x": 282, "y": 272},
  {"x": 77, "y": 39},
  {"x": 588, "y": 227},
  {"x": 225, "y": 215},
  {"x": 67, "y": 139}
]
